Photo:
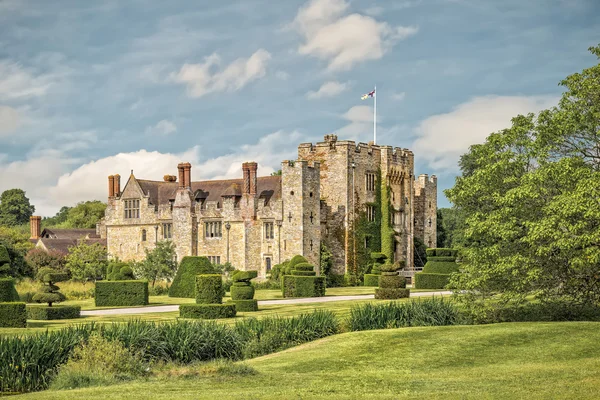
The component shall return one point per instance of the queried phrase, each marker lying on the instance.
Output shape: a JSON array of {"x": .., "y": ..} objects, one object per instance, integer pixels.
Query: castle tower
[
  {"x": 301, "y": 226},
  {"x": 425, "y": 219}
]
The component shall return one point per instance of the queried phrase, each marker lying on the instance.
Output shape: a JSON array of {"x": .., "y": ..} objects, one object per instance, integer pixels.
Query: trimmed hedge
[
  {"x": 13, "y": 315},
  {"x": 371, "y": 280},
  {"x": 442, "y": 252},
  {"x": 121, "y": 293},
  {"x": 244, "y": 276},
  {"x": 445, "y": 267},
  {"x": 441, "y": 259},
  {"x": 184, "y": 283},
  {"x": 8, "y": 293},
  {"x": 391, "y": 293},
  {"x": 249, "y": 305},
  {"x": 394, "y": 282},
  {"x": 431, "y": 281},
  {"x": 209, "y": 289},
  {"x": 50, "y": 313},
  {"x": 304, "y": 267},
  {"x": 242, "y": 292},
  {"x": 303, "y": 273},
  {"x": 336, "y": 280},
  {"x": 207, "y": 311},
  {"x": 303, "y": 286}
]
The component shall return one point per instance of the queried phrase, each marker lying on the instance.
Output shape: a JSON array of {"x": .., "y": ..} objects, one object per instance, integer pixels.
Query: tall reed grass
[{"x": 422, "y": 312}]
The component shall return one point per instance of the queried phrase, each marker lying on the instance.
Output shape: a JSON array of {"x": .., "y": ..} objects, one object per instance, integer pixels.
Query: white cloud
[
  {"x": 18, "y": 83},
  {"x": 9, "y": 120},
  {"x": 282, "y": 75},
  {"x": 328, "y": 89},
  {"x": 443, "y": 138},
  {"x": 201, "y": 80},
  {"x": 163, "y": 127},
  {"x": 360, "y": 126},
  {"x": 51, "y": 179},
  {"x": 344, "y": 40},
  {"x": 399, "y": 96}
]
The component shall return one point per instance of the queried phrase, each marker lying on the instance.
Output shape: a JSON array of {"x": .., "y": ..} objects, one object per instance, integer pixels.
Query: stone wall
[{"x": 426, "y": 209}]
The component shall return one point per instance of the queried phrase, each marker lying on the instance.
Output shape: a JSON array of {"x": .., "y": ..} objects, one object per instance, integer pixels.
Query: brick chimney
[
  {"x": 249, "y": 170},
  {"x": 187, "y": 174},
  {"x": 117, "y": 185},
  {"x": 111, "y": 186},
  {"x": 35, "y": 226},
  {"x": 181, "y": 173}
]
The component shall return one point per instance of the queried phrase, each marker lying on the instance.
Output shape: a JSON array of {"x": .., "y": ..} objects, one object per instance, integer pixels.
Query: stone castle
[{"x": 257, "y": 222}]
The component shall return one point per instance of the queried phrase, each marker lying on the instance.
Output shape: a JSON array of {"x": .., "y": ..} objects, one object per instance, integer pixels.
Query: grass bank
[{"x": 508, "y": 361}]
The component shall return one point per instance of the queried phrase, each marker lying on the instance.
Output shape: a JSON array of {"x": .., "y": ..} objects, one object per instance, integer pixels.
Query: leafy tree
[
  {"x": 159, "y": 263},
  {"x": 530, "y": 197},
  {"x": 452, "y": 223},
  {"x": 276, "y": 173},
  {"x": 87, "y": 262},
  {"x": 223, "y": 269},
  {"x": 15, "y": 208},
  {"x": 16, "y": 241},
  {"x": 4, "y": 262},
  {"x": 38, "y": 258},
  {"x": 441, "y": 235},
  {"x": 326, "y": 260},
  {"x": 58, "y": 219},
  {"x": 85, "y": 215}
]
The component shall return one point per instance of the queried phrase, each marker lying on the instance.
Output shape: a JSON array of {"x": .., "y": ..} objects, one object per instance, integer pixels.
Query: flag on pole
[{"x": 366, "y": 96}]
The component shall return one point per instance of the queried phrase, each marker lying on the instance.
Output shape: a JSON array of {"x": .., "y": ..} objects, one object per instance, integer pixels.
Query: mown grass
[{"x": 501, "y": 361}]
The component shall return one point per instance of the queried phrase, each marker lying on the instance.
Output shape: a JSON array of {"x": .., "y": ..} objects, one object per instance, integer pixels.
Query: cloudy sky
[{"x": 92, "y": 88}]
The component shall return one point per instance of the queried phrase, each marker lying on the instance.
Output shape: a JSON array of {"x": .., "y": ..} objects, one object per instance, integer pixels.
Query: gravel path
[{"x": 307, "y": 300}]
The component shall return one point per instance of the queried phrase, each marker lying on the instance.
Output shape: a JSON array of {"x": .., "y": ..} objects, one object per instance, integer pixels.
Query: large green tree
[
  {"x": 85, "y": 214},
  {"x": 15, "y": 208},
  {"x": 87, "y": 262},
  {"x": 530, "y": 199},
  {"x": 159, "y": 263}
]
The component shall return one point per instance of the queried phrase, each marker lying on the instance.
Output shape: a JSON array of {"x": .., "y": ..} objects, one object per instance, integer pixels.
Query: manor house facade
[{"x": 258, "y": 221}]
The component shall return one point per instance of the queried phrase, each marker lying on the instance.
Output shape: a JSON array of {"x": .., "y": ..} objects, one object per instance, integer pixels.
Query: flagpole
[{"x": 375, "y": 116}]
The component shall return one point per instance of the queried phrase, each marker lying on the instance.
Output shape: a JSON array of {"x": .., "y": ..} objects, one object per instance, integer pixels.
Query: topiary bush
[
  {"x": 303, "y": 282},
  {"x": 8, "y": 293},
  {"x": 209, "y": 296},
  {"x": 119, "y": 271},
  {"x": 391, "y": 285},
  {"x": 13, "y": 315},
  {"x": 242, "y": 293},
  {"x": 4, "y": 262},
  {"x": 50, "y": 292},
  {"x": 184, "y": 283},
  {"x": 437, "y": 271},
  {"x": 51, "y": 313},
  {"x": 121, "y": 293},
  {"x": 371, "y": 279}
]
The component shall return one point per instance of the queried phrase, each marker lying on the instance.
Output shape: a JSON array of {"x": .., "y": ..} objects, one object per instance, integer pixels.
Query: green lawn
[{"x": 502, "y": 361}]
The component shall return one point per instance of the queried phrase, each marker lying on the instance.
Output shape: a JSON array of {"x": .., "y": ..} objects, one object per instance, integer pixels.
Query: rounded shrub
[
  {"x": 209, "y": 289},
  {"x": 304, "y": 267},
  {"x": 388, "y": 268},
  {"x": 304, "y": 273},
  {"x": 244, "y": 276},
  {"x": 242, "y": 292},
  {"x": 249, "y": 305},
  {"x": 297, "y": 259},
  {"x": 184, "y": 283}
]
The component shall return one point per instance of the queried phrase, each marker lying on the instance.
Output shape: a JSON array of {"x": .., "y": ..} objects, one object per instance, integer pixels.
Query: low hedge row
[
  {"x": 241, "y": 292},
  {"x": 303, "y": 273},
  {"x": 13, "y": 315},
  {"x": 431, "y": 281},
  {"x": 8, "y": 293},
  {"x": 440, "y": 251},
  {"x": 303, "y": 286},
  {"x": 245, "y": 305},
  {"x": 371, "y": 280},
  {"x": 207, "y": 311},
  {"x": 393, "y": 281},
  {"x": 121, "y": 293},
  {"x": 391, "y": 293},
  {"x": 45, "y": 313},
  {"x": 441, "y": 258}
]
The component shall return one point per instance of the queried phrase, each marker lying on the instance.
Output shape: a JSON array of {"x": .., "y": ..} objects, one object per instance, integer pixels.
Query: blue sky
[{"x": 92, "y": 88}]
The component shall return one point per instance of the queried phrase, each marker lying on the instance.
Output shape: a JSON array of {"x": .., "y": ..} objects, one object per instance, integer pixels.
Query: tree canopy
[
  {"x": 85, "y": 214},
  {"x": 529, "y": 196},
  {"x": 15, "y": 208}
]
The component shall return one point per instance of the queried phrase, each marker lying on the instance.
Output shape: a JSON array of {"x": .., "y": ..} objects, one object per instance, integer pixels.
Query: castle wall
[{"x": 426, "y": 209}]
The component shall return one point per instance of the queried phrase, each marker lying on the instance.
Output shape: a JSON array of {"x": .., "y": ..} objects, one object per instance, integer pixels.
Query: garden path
[{"x": 306, "y": 300}]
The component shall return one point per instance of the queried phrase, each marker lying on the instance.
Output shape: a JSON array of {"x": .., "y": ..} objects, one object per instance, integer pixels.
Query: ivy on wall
[{"x": 387, "y": 232}]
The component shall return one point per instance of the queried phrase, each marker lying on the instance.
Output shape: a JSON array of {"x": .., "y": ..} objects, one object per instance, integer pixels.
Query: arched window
[{"x": 143, "y": 235}]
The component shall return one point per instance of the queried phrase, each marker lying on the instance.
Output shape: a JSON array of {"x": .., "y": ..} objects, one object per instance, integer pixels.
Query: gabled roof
[
  {"x": 71, "y": 234},
  {"x": 160, "y": 192},
  {"x": 62, "y": 245}
]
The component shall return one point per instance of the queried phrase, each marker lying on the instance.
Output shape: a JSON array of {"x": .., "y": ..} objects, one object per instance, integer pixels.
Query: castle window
[
  {"x": 214, "y": 259},
  {"x": 429, "y": 204},
  {"x": 268, "y": 263},
  {"x": 370, "y": 182},
  {"x": 429, "y": 221},
  {"x": 132, "y": 208},
  {"x": 370, "y": 213},
  {"x": 269, "y": 230},
  {"x": 143, "y": 235},
  {"x": 167, "y": 231},
  {"x": 213, "y": 229}
]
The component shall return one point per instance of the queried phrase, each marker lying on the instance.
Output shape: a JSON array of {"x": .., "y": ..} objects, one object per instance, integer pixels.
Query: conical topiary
[
  {"x": 242, "y": 292},
  {"x": 184, "y": 282},
  {"x": 50, "y": 292},
  {"x": 391, "y": 284}
]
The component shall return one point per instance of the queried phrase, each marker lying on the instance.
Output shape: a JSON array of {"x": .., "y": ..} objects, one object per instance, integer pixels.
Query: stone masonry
[{"x": 257, "y": 222}]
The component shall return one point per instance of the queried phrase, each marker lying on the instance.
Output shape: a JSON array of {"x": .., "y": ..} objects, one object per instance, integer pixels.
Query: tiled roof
[
  {"x": 71, "y": 234},
  {"x": 62, "y": 245},
  {"x": 268, "y": 187}
]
